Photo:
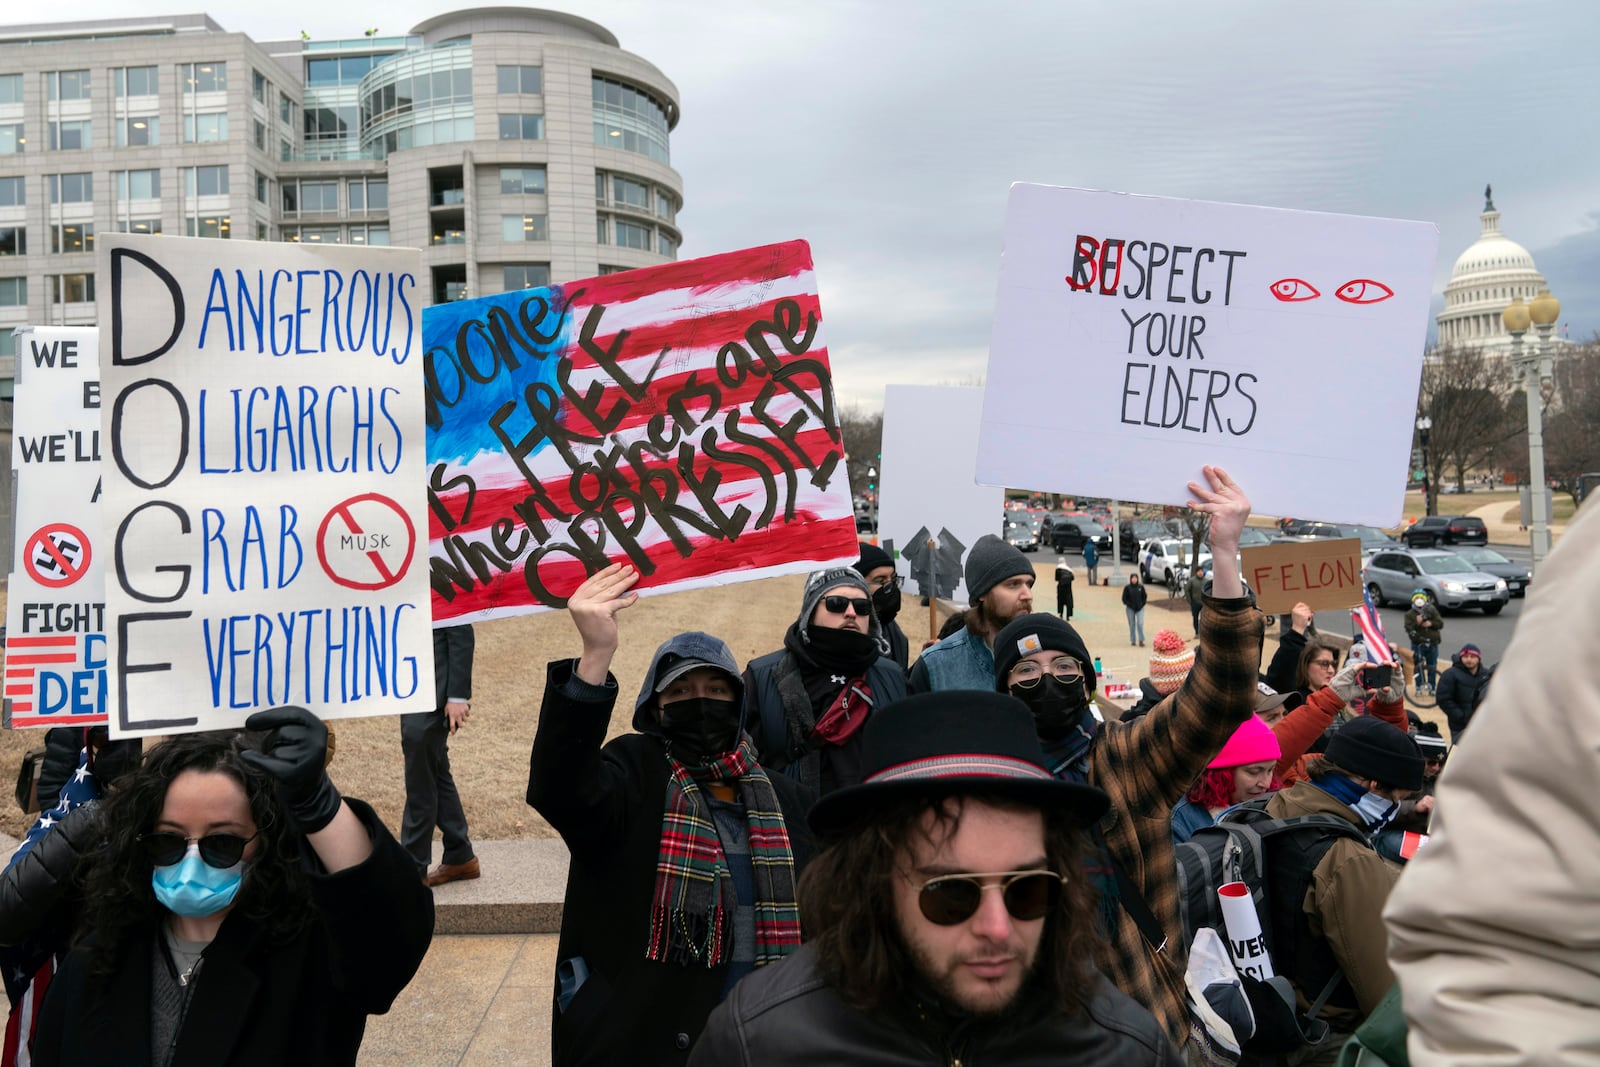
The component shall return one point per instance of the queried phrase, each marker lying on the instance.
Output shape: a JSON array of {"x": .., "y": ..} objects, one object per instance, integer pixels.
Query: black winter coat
[
  {"x": 607, "y": 803},
  {"x": 39, "y": 897},
  {"x": 1134, "y": 595},
  {"x": 1459, "y": 695},
  {"x": 304, "y": 1001},
  {"x": 788, "y": 1014}
]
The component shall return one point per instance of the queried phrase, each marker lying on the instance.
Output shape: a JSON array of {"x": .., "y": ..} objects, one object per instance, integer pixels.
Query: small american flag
[{"x": 1371, "y": 627}]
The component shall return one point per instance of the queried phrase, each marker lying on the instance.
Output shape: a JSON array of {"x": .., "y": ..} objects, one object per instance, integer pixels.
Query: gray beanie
[
  {"x": 817, "y": 585},
  {"x": 990, "y": 562}
]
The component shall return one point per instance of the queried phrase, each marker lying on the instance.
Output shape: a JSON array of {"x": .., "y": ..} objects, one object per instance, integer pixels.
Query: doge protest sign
[
  {"x": 1179, "y": 332},
  {"x": 678, "y": 418},
  {"x": 55, "y": 605},
  {"x": 264, "y": 481}
]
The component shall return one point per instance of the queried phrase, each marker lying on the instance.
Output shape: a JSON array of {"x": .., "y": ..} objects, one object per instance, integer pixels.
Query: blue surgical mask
[
  {"x": 1376, "y": 810},
  {"x": 193, "y": 888}
]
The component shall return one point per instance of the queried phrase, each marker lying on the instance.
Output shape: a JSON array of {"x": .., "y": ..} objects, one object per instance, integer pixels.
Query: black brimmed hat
[{"x": 956, "y": 742}]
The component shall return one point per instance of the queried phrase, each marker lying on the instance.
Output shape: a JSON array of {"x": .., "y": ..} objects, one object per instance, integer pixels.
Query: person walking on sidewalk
[
  {"x": 1091, "y": 560},
  {"x": 1064, "y": 579},
  {"x": 1423, "y": 626},
  {"x": 1134, "y": 596},
  {"x": 431, "y": 797}
]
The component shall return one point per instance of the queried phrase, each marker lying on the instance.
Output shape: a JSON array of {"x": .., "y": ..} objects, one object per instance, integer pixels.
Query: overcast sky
[{"x": 887, "y": 133}]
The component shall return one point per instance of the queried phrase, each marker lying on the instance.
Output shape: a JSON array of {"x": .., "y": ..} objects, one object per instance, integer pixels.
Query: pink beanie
[{"x": 1252, "y": 742}]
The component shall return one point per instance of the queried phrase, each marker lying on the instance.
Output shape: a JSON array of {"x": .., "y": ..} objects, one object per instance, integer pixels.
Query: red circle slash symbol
[
  {"x": 57, "y": 555},
  {"x": 366, "y": 542}
]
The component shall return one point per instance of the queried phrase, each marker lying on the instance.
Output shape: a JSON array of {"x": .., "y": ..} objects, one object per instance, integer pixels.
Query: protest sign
[
  {"x": 1183, "y": 333},
  {"x": 55, "y": 606},
  {"x": 930, "y": 444},
  {"x": 1321, "y": 574},
  {"x": 678, "y": 418},
  {"x": 264, "y": 481}
]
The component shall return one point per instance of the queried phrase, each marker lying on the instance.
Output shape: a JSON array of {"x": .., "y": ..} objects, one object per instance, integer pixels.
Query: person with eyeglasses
[
  {"x": 1146, "y": 765},
  {"x": 239, "y": 912},
  {"x": 877, "y": 567},
  {"x": 807, "y": 702},
  {"x": 947, "y": 918}
]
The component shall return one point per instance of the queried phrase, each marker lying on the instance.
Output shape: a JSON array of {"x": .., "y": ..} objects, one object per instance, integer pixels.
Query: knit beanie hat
[
  {"x": 1170, "y": 661},
  {"x": 1252, "y": 742},
  {"x": 1036, "y": 633},
  {"x": 872, "y": 557},
  {"x": 817, "y": 586},
  {"x": 1373, "y": 749},
  {"x": 990, "y": 562},
  {"x": 1469, "y": 647}
]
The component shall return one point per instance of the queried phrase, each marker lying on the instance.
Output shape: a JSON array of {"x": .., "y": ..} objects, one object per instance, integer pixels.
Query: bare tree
[
  {"x": 1464, "y": 392},
  {"x": 863, "y": 443},
  {"x": 1572, "y": 427}
]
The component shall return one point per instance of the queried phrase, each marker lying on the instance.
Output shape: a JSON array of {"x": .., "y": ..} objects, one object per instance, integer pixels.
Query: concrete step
[{"x": 519, "y": 892}]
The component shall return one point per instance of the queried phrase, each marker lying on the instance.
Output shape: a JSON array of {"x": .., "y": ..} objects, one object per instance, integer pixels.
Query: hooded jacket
[
  {"x": 607, "y": 801},
  {"x": 1460, "y": 692}
]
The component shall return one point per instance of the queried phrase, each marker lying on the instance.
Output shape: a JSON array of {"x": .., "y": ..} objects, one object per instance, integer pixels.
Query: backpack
[{"x": 1276, "y": 858}]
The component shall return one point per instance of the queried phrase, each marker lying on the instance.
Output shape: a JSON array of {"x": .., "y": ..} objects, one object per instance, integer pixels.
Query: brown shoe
[{"x": 452, "y": 872}]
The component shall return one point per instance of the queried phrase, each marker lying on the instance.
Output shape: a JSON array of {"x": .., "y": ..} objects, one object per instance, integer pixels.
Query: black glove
[{"x": 296, "y": 754}]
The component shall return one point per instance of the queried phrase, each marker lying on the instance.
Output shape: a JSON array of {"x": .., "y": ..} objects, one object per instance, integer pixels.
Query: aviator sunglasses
[
  {"x": 954, "y": 898},
  {"x": 164, "y": 848},
  {"x": 837, "y": 604}
]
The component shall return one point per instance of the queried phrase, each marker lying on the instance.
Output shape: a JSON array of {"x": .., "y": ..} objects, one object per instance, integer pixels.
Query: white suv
[{"x": 1161, "y": 556}]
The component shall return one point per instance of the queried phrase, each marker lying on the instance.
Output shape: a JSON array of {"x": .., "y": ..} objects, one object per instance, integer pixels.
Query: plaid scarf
[{"x": 692, "y": 913}]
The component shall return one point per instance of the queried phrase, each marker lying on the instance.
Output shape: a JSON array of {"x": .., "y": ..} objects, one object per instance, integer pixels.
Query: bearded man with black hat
[
  {"x": 684, "y": 851},
  {"x": 877, "y": 567},
  {"x": 909, "y": 956},
  {"x": 1369, "y": 767},
  {"x": 1146, "y": 765},
  {"x": 1000, "y": 587},
  {"x": 808, "y": 701}
]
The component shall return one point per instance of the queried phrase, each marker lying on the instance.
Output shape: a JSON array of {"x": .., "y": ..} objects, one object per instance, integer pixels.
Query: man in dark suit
[{"x": 431, "y": 797}]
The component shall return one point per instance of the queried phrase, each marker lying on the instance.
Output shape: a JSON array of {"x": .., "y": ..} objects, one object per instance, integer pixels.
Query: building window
[
  {"x": 70, "y": 188},
  {"x": 630, "y": 235},
  {"x": 523, "y": 228},
  {"x": 601, "y": 230},
  {"x": 134, "y": 81},
  {"x": 145, "y": 225},
  {"x": 522, "y": 127},
  {"x": 10, "y": 88},
  {"x": 12, "y": 138},
  {"x": 448, "y": 235},
  {"x": 138, "y": 130},
  {"x": 13, "y": 292},
  {"x": 70, "y": 135},
  {"x": 521, "y": 180},
  {"x": 330, "y": 123},
  {"x": 612, "y": 268},
  {"x": 625, "y": 192},
  {"x": 72, "y": 288},
  {"x": 72, "y": 237},
  {"x": 665, "y": 245},
  {"x": 259, "y": 129},
  {"x": 203, "y": 77},
  {"x": 369, "y": 235},
  {"x": 518, "y": 80},
  {"x": 629, "y": 119},
  {"x": 207, "y": 226},
  {"x": 258, "y": 86},
  {"x": 319, "y": 196},
  {"x": 525, "y": 275},
  {"x": 666, "y": 206},
  {"x": 318, "y": 235},
  {"x": 369, "y": 195},
  {"x": 285, "y": 110},
  {"x": 12, "y": 192},
  {"x": 205, "y": 181},
  {"x": 261, "y": 187},
  {"x": 8, "y": 340},
  {"x": 345, "y": 70},
  {"x": 67, "y": 84},
  {"x": 13, "y": 241},
  {"x": 205, "y": 129},
  {"x": 138, "y": 185}
]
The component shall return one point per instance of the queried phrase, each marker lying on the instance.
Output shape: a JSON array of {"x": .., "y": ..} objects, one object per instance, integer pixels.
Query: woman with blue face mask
[{"x": 240, "y": 911}]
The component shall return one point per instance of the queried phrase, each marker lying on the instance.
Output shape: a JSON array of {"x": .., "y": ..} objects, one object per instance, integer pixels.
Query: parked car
[
  {"x": 1447, "y": 579},
  {"x": 1372, "y": 539},
  {"x": 1069, "y": 534},
  {"x": 1133, "y": 533},
  {"x": 1022, "y": 531},
  {"x": 1251, "y": 536},
  {"x": 1516, "y": 575},
  {"x": 1433, "y": 530},
  {"x": 1161, "y": 556}
]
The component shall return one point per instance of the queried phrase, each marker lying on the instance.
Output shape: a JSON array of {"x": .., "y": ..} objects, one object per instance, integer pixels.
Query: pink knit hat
[
  {"x": 1170, "y": 661},
  {"x": 1252, "y": 742}
]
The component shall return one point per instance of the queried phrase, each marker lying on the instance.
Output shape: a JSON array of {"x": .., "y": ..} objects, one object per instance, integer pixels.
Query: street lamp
[
  {"x": 1532, "y": 369},
  {"x": 1424, "y": 424},
  {"x": 872, "y": 486}
]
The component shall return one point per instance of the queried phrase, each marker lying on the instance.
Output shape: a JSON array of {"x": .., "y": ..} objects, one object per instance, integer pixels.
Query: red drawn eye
[
  {"x": 1290, "y": 290},
  {"x": 1363, "y": 291}
]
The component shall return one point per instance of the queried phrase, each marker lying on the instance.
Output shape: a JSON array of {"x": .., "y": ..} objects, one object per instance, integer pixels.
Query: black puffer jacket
[
  {"x": 1459, "y": 694},
  {"x": 38, "y": 894},
  {"x": 789, "y": 1014}
]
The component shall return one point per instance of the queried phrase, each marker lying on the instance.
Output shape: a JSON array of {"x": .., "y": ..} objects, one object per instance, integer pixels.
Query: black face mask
[
  {"x": 845, "y": 649},
  {"x": 700, "y": 729},
  {"x": 886, "y": 602},
  {"x": 1057, "y": 707}
]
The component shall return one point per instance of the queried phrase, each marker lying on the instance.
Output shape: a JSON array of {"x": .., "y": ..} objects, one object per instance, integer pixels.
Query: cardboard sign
[
  {"x": 1187, "y": 333},
  {"x": 1321, "y": 574},
  {"x": 55, "y": 608},
  {"x": 264, "y": 481},
  {"x": 679, "y": 418},
  {"x": 930, "y": 443}
]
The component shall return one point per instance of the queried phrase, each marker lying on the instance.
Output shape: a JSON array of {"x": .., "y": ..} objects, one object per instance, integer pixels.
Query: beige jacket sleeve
[{"x": 1495, "y": 926}]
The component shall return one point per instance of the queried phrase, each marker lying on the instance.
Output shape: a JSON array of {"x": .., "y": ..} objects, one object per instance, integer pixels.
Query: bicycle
[{"x": 1413, "y": 696}]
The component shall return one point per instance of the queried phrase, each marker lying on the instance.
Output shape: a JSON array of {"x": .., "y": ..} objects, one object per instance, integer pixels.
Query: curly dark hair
[
  {"x": 118, "y": 897},
  {"x": 846, "y": 898}
]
